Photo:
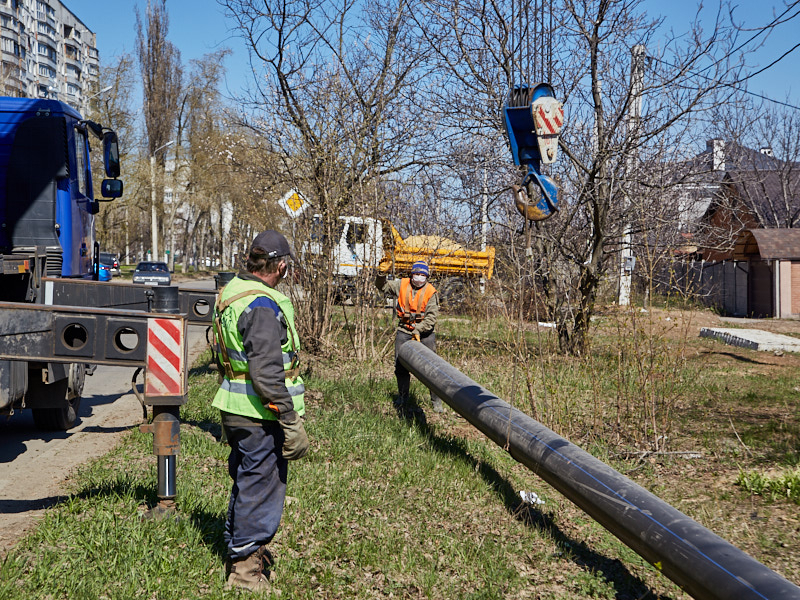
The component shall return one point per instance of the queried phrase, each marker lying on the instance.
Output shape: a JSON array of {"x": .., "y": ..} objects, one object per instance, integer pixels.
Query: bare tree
[
  {"x": 119, "y": 223},
  {"x": 335, "y": 89},
  {"x": 763, "y": 163},
  {"x": 605, "y": 151},
  {"x": 162, "y": 83}
]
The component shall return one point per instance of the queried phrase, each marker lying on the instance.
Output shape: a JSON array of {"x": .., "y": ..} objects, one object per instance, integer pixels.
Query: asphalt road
[{"x": 34, "y": 465}]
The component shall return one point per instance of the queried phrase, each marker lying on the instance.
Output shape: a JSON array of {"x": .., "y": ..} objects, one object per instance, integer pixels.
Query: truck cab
[
  {"x": 47, "y": 200},
  {"x": 47, "y": 208}
]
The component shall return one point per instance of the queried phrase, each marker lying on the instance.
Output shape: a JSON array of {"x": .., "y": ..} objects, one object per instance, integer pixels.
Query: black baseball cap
[{"x": 270, "y": 244}]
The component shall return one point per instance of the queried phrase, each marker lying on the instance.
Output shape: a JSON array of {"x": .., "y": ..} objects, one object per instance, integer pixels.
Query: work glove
[
  {"x": 295, "y": 440},
  {"x": 415, "y": 335}
]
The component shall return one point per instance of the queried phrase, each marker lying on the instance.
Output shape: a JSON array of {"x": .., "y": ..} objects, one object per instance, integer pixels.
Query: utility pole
[{"x": 634, "y": 114}]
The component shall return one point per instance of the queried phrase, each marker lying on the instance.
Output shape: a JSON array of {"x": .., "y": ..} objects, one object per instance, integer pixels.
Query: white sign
[{"x": 294, "y": 203}]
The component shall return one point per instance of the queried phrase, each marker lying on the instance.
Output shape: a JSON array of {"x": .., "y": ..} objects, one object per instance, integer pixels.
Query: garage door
[{"x": 760, "y": 289}]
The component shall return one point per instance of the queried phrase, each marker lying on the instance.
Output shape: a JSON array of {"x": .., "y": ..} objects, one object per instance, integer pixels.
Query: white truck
[{"x": 365, "y": 246}]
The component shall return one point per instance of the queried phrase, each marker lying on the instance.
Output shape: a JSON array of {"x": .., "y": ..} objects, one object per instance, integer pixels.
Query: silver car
[{"x": 152, "y": 273}]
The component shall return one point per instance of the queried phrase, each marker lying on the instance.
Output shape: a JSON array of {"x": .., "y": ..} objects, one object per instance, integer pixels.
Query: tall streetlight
[
  {"x": 103, "y": 91},
  {"x": 153, "y": 212}
]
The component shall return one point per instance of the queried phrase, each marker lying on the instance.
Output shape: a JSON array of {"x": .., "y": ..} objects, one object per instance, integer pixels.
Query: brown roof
[
  {"x": 782, "y": 244},
  {"x": 773, "y": 195}
]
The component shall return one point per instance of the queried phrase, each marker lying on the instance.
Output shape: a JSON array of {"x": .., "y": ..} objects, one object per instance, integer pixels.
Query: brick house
[{"x": 747, "y": 237}]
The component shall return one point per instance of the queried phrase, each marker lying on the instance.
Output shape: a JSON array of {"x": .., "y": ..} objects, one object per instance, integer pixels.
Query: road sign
[{"x": 294, "y": 203}]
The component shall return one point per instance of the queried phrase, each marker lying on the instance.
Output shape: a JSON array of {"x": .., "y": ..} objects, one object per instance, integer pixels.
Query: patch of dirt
[{"x": 35, "y": 465}]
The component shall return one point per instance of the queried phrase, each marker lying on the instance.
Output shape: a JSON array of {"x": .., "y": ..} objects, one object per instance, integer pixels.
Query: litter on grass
[{"x": 530, "y": 498}]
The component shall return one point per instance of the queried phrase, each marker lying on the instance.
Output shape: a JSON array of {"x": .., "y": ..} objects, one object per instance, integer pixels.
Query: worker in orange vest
[{"x": 417, "y": 309}]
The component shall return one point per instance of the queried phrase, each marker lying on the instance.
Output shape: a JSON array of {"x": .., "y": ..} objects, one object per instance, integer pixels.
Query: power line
[
  {"x": 776, "y": 21},
  {"x": 734, "y": 84}
]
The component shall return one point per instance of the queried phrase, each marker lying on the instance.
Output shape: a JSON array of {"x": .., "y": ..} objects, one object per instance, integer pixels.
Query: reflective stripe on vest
[
  {"x": 236, "y": 393},
  {"x": 411, "y": 307}
]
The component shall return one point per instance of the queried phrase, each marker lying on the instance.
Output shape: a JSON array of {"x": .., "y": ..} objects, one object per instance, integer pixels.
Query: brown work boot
[{"x": 252, "y": 572}]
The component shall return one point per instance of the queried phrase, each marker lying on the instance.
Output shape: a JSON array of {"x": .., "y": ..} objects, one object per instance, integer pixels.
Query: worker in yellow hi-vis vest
[{"x": 261, "y": 405}]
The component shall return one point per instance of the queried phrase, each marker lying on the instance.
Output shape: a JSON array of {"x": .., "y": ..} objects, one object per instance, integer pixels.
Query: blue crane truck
[
  {"x": 47, "y": 208},
  {"x": 57, "y": 320}
]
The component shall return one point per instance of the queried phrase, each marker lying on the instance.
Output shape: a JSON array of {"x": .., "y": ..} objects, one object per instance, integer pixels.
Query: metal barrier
[{"x": 702, "y": 563}]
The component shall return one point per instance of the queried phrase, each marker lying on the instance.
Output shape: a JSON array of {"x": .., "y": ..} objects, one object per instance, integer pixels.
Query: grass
[
  {"x": 773, "y": 487},
  {"x": 422, "y": 506}
]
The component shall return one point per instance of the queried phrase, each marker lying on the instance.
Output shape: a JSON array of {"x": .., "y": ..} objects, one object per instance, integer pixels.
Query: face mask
[
  {"x": 418, "y": 280},
  {"x": 285, "y": 271}
]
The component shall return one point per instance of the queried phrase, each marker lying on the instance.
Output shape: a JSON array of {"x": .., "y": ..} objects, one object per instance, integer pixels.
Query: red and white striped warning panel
[
  {"x": 165, "y": 358},
  {"x": 548, "y": 116}
]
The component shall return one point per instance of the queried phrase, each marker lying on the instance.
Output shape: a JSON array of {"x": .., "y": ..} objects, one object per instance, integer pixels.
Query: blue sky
[
  {"x": 198, "y": 27},
  {"x": 780, "y": 81}
]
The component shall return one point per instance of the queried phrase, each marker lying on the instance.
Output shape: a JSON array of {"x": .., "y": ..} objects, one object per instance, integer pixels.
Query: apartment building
[{"x": 46, "y": 52}]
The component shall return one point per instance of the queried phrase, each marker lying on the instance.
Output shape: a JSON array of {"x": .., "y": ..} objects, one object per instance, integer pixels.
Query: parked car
[
  {"x": 104, "y": 273},
  {"x": 110, "y": 260},
  {"x": 152, "y": 273}
]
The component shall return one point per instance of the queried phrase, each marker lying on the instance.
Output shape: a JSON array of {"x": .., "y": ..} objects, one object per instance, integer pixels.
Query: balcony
[
  {"x": 46, "y": 31},
  {"x": 73, "y": 76},
  {"x": 47, "y": 59},
  {"x": 74, "y": 62}
]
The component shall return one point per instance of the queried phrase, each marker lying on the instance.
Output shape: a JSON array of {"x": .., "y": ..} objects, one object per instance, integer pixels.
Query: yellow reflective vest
[{"x": 236, "y": 393}]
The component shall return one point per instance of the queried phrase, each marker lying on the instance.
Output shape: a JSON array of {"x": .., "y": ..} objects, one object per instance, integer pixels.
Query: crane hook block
[
  {"x": 530, "y": 207},
  {"x": 533, "y": 118}
]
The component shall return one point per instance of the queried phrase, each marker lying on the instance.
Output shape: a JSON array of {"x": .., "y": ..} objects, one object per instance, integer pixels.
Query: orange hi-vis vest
[{"x": 411, "y": 308}]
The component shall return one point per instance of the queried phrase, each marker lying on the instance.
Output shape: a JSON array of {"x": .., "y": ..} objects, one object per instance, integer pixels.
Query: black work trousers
[
  {"x": 400, "y": 372},
  {"x": 258, "y": 471}
]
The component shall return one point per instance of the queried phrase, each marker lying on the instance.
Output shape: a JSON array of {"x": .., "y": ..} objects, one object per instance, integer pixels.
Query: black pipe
[{"x": 702, "y": 563}]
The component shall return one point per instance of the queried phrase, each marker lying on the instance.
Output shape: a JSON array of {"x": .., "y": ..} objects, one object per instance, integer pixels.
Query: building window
[
  {"x": 10, "y": 46},
  {"x": 47, "y": 71},
  {"x": 45, "y": 28},
  {"x": 45, "y": 50},
  {"x": 73, "y": 71},
  {"x": 73, "y": 89}
]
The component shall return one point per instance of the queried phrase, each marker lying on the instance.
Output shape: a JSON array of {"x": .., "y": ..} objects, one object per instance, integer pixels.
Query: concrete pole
[
  {"x": 626, "y": 253},
  {"x": 127, "y": 236}
]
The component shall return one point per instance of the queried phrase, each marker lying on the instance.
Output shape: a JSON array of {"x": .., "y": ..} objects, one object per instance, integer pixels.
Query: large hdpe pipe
[{"x": 699, "y": 561}]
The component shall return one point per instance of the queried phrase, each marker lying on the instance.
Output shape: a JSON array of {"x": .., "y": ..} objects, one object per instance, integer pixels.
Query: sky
[
  {"x": 781, "y": 81},
  {"x": 198, "y": 27}
]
